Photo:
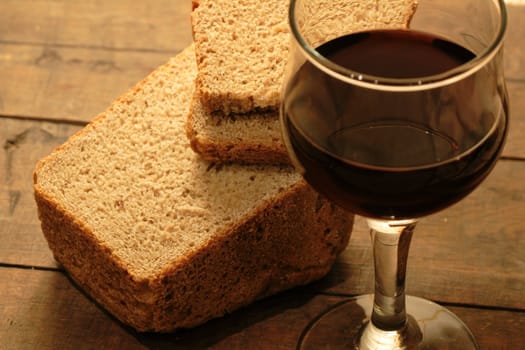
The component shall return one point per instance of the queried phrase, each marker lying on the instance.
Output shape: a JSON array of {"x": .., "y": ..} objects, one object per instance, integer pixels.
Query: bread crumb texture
[
  {"x": 160, "y": 237},
  {"x": 241, "y": 49}
]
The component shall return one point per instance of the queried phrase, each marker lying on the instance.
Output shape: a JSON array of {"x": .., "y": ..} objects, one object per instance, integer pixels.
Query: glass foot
[{"x": 347, "y": 326}]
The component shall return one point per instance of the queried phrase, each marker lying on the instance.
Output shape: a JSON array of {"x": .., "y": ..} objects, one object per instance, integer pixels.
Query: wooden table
[{"x": 63, "y": 61}]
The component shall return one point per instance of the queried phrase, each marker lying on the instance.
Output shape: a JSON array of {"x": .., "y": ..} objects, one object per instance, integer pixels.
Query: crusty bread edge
[
  {"x": 194, "y": 4},
  {"x": 235, "y": 151},
  {"x": 157, "y": 303},
  {"x": 274, "y": 223}
]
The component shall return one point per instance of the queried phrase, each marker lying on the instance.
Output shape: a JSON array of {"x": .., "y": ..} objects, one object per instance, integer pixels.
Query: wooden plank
[
  {"x": 514, "y": 62},
  {"x": 501, "y": 330},
  {"x": 159, "y": 25},
  {"x": 70, "y": 59},
  {"x": 514, "y": 53},
  {"x": 515, "y": 146},
  {"x": 470, "y": 253},
  {"x": 22, "y": 144},
  {"x": 63, "y": 83},
  {"x": 42, "y": 309}
]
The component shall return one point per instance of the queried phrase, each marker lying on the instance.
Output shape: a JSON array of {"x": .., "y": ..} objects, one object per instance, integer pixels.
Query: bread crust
[
  {"x": 253, "y": 138},
  {"x": 291, "y": 241}
]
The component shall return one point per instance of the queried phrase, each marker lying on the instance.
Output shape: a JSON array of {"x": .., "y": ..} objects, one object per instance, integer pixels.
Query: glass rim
[{"x": 398, "y": 84}]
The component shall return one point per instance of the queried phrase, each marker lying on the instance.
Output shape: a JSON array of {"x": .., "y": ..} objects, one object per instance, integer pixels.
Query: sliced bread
[
  {"x": 250, "y": 138},
  {"x": 241, "y": 50},
  {"x": 163, "y": 239},
  {"x": 242, "y": 46}
]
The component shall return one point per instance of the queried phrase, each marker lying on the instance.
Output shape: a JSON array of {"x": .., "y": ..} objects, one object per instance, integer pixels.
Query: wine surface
[
  {"x": 395, "y": 53},
  {"x": 387, "y": 154}
]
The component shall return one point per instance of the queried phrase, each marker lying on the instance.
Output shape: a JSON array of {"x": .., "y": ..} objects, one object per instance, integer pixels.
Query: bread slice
[
  {"x": 251, "y": 138},
  {"x": 242, "y": 46},
  {"x": 163, "y": 239},
  {"x": 241, "y": 49}
]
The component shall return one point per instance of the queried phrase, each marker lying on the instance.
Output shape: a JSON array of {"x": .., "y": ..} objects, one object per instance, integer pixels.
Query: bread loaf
[{"x": 163, "y": 239}]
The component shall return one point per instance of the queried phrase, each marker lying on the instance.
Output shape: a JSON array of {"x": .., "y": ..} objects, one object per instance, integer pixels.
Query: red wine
[
  {"x": 396, "y": 53},
  {"x": 387, "y": 154}
]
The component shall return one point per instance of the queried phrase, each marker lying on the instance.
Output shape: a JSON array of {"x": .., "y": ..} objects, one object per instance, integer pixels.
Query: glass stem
[{"x": 390, "y": 242}]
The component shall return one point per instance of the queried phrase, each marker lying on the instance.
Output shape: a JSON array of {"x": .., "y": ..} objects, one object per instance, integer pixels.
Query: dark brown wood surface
[{"x": 63, "y": 61}]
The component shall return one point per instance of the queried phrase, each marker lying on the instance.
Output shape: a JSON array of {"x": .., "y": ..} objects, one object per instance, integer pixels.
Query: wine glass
[{"x": 394, "y": 117}]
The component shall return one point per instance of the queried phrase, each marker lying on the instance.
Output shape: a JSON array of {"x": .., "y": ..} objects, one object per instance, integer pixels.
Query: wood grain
[
  {"x": 22, "y": 144},
  {"x": 70, "y": 67},
  {"x": 514, "y": 54},
  {"x": 42, "y": 309},
  {"x": 158, "y": 25},
  {"x": 515, "y": 147},
  {"x": 63, "y": 83}
]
